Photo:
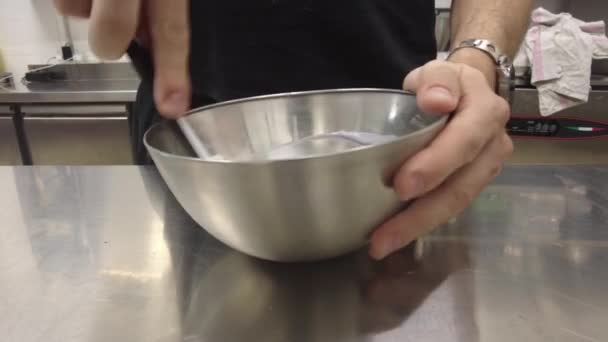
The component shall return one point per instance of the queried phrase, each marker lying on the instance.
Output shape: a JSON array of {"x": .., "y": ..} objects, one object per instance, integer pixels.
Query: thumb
[{"x": 437, "y": 86}]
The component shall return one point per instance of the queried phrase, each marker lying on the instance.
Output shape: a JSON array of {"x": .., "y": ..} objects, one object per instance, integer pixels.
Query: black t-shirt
[
  {"x": 250, "y": 47},
  {"x": 243, "y": 48}
]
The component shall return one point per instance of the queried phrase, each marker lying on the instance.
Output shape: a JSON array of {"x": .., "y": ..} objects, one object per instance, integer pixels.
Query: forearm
[{"x": 504, "y": 22}]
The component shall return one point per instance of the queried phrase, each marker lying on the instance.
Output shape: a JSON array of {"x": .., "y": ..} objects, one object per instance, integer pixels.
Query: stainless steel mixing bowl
[{"x": 323, "y": 200}]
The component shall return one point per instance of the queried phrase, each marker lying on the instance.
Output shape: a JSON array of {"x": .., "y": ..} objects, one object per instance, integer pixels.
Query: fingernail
[
  {"x": 412, "y": 188},
  {"x": 440, "y": 93},
  {"x": 387, "y": 247},
  {"x": 175, "y": 103}
]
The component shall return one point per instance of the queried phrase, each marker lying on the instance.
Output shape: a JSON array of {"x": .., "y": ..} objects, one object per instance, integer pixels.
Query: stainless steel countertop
[
  {"x": 93, "y": 91},
  {"x": 106, "y": 254}
]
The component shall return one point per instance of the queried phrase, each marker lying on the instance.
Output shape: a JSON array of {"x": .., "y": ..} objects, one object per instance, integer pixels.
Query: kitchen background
[
  {"x": 31, "y": 32},
  {"x": 83, "y": 119}
]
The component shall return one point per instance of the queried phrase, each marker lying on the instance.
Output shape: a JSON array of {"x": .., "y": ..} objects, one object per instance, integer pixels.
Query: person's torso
[{"x": 243, "y": 48}]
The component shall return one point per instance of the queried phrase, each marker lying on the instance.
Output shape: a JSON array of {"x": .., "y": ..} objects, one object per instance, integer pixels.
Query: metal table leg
[{"x": 24, "y": 147}]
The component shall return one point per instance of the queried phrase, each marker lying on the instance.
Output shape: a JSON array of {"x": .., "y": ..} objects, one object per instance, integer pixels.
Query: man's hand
[
  {"x": 447, "y": 175},
  {"x": 160, "y": 25}
]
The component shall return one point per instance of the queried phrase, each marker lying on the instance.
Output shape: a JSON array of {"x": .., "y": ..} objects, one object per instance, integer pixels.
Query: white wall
[
  {"x": 443, "y": 4},
  {"x": 31, "y": 32}
]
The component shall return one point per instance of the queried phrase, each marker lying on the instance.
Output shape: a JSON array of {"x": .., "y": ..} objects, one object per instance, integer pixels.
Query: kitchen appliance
[
  {"x": 94, "y": 134},
  {"x": 82, "y": 120},
  {"x": 556, "y": 128},
  {"x": 300, "y": 208},
  {"x": 578, "y": 135},
  {"x": 535, "y": 141},
  {"x": 573, "y": 136}
]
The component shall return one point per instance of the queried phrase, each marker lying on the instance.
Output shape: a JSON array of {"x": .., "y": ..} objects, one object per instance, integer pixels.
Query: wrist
[{"x": 479, "y": 60}]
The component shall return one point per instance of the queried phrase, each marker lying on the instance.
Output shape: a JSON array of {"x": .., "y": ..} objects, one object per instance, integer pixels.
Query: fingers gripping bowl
[{"x": 293, "y": 177}]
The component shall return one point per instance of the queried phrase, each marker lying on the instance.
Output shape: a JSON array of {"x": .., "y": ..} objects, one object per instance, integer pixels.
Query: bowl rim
[{"x": 442, "y": 119}]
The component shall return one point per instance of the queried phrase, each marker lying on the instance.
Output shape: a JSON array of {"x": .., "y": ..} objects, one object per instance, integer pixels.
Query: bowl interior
[{"x": 300, "y": 125}]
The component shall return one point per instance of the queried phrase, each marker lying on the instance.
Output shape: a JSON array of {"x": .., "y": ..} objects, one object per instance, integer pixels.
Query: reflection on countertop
[{"x": 106, "y": 254}]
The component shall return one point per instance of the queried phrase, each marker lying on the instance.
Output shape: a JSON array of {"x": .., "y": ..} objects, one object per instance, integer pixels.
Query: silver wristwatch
[{"x": 505, "y": 73}]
